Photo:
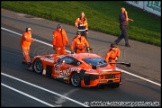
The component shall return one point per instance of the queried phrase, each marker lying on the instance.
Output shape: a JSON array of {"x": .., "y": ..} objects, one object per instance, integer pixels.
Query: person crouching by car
[
  {"x": 80, "y": 43},
  {"x": 112, "y": 55}
]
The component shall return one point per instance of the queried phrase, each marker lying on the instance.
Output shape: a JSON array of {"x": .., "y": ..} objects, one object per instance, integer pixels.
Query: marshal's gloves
[
  {"x": 72, "y": 51},
  {"x": 88, "y": 49},
  {"x": 116, "y": 58},
  {"x": 53, "y": 47}
]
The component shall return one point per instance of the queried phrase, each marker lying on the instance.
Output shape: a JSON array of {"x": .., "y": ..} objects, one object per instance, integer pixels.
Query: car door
[{"x": 62, "y": 67}]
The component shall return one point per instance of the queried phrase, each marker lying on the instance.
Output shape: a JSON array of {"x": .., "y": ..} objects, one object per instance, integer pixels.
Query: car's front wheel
[
  {"x": 38, "y": 66},
  {"x": 75, "y": 79}
]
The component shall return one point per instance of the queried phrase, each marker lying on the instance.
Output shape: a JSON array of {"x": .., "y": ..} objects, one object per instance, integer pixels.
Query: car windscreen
[{"x": 95, "y": 61}]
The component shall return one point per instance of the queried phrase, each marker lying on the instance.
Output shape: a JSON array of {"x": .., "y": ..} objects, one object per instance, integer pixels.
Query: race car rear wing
[{"x": 122, "y": 63}]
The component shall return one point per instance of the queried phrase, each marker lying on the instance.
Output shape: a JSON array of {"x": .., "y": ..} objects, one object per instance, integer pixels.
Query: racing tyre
[
  {"x": 75, "y": 79},
  {"x": 38, "y": 66},
  {"x": 116, "y": 85}
]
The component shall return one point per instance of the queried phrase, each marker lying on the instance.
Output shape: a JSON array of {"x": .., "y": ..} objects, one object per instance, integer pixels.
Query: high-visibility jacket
[
  {"x": 79, "y": 44},
  {"x": 112, "y": 54},
  {"x": 59, "y": 38},
  {"x": 26, "y": 39},
  {"x": 82, "y": 24}
]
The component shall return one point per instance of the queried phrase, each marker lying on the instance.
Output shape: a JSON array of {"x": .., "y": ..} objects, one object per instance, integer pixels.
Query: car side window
[
  {"x": 71, "y": 61},
  {"x": 67, "y": 60},
  {"x": 76, "y": 62}
]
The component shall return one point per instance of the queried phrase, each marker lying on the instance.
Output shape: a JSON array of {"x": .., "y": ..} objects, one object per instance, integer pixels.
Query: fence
[{"x": 149, "y": 6}]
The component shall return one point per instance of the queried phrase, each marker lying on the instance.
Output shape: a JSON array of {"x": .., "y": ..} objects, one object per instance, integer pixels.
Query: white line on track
[
  {"x": 137, "y": 76},
  {"x": 36, "y": 86},
  {"x": 25, "y": 94},
  {"x": 35, "y": 39}
]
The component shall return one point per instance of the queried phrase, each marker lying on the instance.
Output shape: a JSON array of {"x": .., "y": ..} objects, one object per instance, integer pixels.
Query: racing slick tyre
[
  {"x": 38, "y": 66},
  {"x": 75, "y": 79},
  {"x": 116, "y": 85}
]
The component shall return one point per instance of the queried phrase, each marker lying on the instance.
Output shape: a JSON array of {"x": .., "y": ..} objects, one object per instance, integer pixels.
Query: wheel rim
[
  {"x": 75, "y": 79},
  {"x": 38, "y": 67}
]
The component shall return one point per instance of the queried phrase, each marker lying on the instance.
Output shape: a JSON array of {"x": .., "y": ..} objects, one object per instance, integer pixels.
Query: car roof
[{"x": 84, "y": 55}]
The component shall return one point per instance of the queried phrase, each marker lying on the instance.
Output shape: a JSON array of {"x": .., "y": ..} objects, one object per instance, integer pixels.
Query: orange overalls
[
  {"x": 79, "y": 44},
  {"x": 82, "y": 25},
  {"x": 26, "y": 41},
  {"x": 112, "y": 55},
  {"x": 60, "y": 40}
]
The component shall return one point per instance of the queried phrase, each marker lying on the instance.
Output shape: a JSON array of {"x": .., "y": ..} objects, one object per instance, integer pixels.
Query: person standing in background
[
  {"x": 81, "y": 24},
  {"x": 123, "y": 20}
]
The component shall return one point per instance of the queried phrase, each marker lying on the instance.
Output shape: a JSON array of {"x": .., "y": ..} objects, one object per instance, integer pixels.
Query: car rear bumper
[{"x": 95, "y": 80}]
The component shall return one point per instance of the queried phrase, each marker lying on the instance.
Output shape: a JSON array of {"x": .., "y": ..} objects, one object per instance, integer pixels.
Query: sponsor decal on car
[{"x": 49, "y": 60}]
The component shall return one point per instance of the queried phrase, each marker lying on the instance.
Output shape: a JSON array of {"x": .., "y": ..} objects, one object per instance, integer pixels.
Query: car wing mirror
[{"x": 78, "y": 63}]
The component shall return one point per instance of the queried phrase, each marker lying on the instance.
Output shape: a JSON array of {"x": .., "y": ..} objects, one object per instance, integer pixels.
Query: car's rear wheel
[
  {"x": 75, "y": 79},
  {"x": 38, "y": 66},
  {"x": 116, "y": 85}
]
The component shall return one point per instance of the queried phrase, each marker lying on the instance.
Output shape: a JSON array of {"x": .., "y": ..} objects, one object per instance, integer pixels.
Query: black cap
[
  {"x": 59, "y": 26},
  {"x": 112, "y": 45},
  {"x": 27, "y": 29}
]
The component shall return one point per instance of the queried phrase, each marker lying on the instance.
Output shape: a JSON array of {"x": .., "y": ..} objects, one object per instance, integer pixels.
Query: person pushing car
[
  {"x": 79, "y": 42},
  {"x": 112, "y": 54}
]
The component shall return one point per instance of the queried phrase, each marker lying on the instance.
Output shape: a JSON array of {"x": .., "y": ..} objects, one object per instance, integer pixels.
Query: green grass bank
[{"x": 102, "y": 16}]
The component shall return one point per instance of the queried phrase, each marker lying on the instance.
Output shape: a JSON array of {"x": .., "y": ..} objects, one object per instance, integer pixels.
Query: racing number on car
[
  {"x": 62, "y": 70},
  {"x": 65, "y": 72},
  {"x": 57, "y": 67}
]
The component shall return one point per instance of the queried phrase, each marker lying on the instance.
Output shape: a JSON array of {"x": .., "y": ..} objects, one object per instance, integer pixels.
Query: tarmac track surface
[{"x": 133, "y": 89}]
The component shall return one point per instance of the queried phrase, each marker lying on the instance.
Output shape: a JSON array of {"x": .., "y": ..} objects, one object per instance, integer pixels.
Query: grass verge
[{"x": 102, "y": 16}]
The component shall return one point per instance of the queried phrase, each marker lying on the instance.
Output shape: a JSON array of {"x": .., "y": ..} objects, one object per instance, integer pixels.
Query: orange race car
[{"x": 83, "y": 69}]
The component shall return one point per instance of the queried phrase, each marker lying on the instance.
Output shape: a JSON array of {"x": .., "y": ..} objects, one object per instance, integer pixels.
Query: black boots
[{"x": 29, "y": 64}]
